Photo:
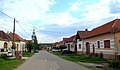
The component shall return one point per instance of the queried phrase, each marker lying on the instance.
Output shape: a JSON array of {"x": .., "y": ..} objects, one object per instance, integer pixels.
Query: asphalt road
[{"x": 47, "y": 61}]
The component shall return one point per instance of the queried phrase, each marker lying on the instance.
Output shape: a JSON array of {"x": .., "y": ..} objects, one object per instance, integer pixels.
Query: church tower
[{"x": 34, "y": 38}]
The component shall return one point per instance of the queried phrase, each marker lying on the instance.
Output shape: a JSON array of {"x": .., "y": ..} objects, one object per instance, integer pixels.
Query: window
[
  {"x": 71, "y": 46},
  {"x": 98, "y": 44},
  {"x": 107, "y": 43},
  {"x": 68, "y": 46},
  {"x": 80, "y": 39},
  {"x": 79, "y": 46}
]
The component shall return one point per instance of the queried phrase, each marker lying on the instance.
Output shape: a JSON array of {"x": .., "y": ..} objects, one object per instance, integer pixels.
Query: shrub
[
  {"x": 114, "y": 64},
  {"x": 96, "y": 54},
  {"x": 101, "y": 55},
  {"x": 4, "y": 56}
]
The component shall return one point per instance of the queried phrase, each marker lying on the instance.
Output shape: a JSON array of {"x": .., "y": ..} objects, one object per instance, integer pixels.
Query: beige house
[{"x": 103, "y": 39}]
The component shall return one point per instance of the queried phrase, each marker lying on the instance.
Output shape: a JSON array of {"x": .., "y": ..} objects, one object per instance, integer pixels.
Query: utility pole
[
  {"x": 14, "y": 30},
  {"x": 13, "y": 44}
]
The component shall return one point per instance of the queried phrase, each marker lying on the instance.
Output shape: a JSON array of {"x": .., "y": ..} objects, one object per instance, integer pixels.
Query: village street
[{"x": 47, "y": 61}]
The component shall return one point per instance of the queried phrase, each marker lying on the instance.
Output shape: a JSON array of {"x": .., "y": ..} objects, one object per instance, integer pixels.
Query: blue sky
[{"x": 55, "y": 19}]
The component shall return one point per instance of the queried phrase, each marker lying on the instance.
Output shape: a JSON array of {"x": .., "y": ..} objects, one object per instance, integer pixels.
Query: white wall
[
  {"x": 2, "y": 44},
  {"x": 21, "y": 45},
  {"x": 80, "y": 42},
  {"x": 71, "y": 46}
]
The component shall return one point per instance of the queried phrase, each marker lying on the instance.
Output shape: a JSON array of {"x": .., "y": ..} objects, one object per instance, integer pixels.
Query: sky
[{"x": 55, "y": 19}]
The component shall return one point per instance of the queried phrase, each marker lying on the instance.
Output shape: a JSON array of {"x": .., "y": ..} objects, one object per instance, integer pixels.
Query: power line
[
  {"x": 15, "y": 21},
  {"x": 5, "y": 24},
  {"x": 22, "y": 28},
  {"x": 6, "y": 15}
]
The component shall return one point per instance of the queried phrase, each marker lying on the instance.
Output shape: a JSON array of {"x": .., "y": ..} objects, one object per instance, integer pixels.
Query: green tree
[
  {"x": 29, "y": 46},
  {"x": 61, "y": 47}
]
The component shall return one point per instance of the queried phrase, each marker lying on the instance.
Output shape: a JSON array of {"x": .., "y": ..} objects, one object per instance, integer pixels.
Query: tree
[
  {"x": 36, "y": 46},
  {"x": 61, "y": 47},
  {"x": 29, "y": 46}
]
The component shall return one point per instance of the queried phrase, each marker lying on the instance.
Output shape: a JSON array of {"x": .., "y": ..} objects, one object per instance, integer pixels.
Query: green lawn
[
  {"x": 27, "y": 54},
  {"x": 78, "y": 58},
  {"x": 10, "y": 64},
  {"x": 7, "y": 64}
]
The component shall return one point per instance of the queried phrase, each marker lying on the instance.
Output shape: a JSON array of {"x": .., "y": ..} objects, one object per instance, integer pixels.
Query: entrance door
[
  {"x": 87, "y": 48},
  {"x": 17, "y": 47},
  {"x": 5, "y": 45},
  {"x": 75, "y": 48}
]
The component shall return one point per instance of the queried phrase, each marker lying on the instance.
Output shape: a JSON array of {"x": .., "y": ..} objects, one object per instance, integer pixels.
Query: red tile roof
[
  {"x": 82, "y": 34},
  {"x": 72, "y": 38},
  {"x": 4, "y": 36},
  {"x": 103, "y": 29},
  {"x": 65, "y": 39},
  {"x": 69, "y": 39},
  {"x": 16, "y": 36},
  {"x": 28, "y": 41},
  {"x": 106, "y": 28}
]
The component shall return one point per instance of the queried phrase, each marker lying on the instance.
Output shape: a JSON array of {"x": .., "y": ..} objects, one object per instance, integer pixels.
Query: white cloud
[
  {"x": 61, "y": 19},
  {"x": 27, "y": 9},
  {"x": 46, "y": 38},
  {"x": 32, "y": 10},
  {"x": 99, "y": 11},
  {"x": 75, "y": 6}
]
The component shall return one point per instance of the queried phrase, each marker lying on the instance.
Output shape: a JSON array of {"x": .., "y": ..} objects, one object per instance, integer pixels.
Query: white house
[
  {"x": 5, "y": 40},
  {"x": 80, "y": 41},
  {"x": 19, "y": 42}
]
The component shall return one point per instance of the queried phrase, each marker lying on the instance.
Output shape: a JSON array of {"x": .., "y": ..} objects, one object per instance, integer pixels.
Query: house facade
[
  {"x": 70, "y": 44},
  {"x": 117, "y": 42},
  {"x": 5, "y": 40},
  {"x": 101, "y": 44},
  {"x": 80, "y": 41},
  {"x": 19, "y": 42},
  {"x": 104, "y": 39}
]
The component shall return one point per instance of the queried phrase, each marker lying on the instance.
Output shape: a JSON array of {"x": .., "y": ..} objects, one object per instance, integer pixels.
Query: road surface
[{"x": 47, "y": 61}]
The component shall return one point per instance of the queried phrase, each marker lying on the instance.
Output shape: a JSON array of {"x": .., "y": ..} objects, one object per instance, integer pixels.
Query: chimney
[
  {"x": 7, "y": 32},
  {"x": 86, "y": 30}
]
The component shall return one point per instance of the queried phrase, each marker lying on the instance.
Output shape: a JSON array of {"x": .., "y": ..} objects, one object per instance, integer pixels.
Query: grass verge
[
  {"x": 7, "y": 64},
  {"x": 27, "y": 54},
  {"x": 80, "y": 58}
]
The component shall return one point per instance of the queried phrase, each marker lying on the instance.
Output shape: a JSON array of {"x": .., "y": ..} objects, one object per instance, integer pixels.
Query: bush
[
  {"x": 101, "y": 55},
  {"x": 96, "y": 54},
  {"x": 114, "y": 64},
  {"x": 4, "y": 56}
]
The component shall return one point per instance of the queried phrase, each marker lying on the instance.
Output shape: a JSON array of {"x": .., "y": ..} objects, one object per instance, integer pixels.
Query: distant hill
[{"x": 46, "y": 44}]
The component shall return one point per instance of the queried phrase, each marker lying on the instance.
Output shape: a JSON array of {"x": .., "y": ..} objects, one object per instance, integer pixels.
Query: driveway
[{"x": 47, "y": 61}]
